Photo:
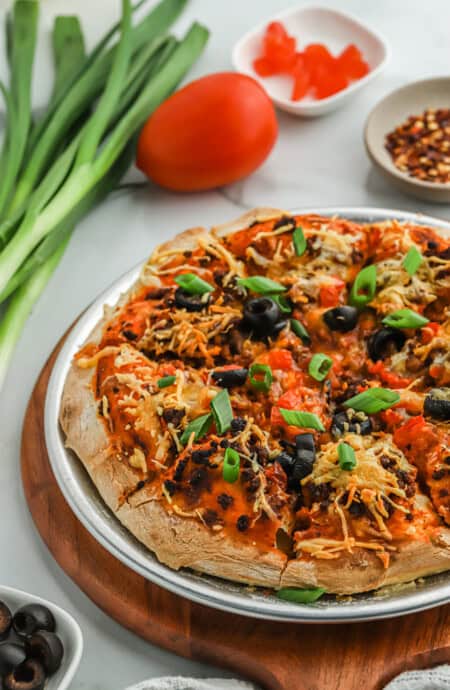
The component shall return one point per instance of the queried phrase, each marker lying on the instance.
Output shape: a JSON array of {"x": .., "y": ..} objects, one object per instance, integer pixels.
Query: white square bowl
[
  {"x": 313, "y": 25},
  {"x": 66, "y": 628}
]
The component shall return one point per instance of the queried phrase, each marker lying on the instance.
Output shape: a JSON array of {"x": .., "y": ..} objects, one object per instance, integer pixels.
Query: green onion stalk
[{"x": 56, "y": 169}]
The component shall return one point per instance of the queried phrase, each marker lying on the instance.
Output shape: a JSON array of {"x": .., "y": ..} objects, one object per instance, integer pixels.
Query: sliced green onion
[
  {"x": 166, "y": 381},
  {"x": 412, "y": 260},
  {"x": 299, "y": 240},
  {"x": 347, "y": 457},
  {"x": 300, "y": 596},
  {"x": 193, "y": 284},
  {"x": 231, "y": 465},
  {"x": 405, "y": 318},
  {"x": 282, "y": 302},
  {"x": 364, "y": 287},
  {"x": 373, "y": 400},
  {"x": 304, "y": 420},
  {"x": 199, "y": 427},
  {"x": 319, "y": 366},
  {"x": 261, "y": 285},
  {"x": 222, "y": 412},
  {"x": 301, "y": 331},
  {"x": 264, "y": 383}
]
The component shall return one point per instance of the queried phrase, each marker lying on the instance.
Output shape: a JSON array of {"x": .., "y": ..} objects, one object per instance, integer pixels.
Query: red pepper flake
[{"x": 420, "y": 146}]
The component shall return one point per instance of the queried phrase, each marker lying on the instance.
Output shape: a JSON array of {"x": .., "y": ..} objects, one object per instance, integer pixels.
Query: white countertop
[{"x": 318, "y": 162}]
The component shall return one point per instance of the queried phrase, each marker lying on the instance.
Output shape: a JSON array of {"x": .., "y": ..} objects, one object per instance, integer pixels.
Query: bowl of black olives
[{"x": 40, "y": 644}]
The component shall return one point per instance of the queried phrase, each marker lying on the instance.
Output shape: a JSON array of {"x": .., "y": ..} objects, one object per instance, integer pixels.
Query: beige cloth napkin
[{"x": 431, "y": 679}]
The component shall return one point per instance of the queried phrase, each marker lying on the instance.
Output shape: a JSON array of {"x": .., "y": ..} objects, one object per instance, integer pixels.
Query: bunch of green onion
[{"x": 55, "y": 169}]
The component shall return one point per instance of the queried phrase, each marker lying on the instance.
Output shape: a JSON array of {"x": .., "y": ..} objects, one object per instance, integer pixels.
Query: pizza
[{"x": 270, "y": 402}]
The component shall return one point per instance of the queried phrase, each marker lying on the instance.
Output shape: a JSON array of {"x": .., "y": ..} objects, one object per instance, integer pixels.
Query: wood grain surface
[{"x": 277, "y": 656}]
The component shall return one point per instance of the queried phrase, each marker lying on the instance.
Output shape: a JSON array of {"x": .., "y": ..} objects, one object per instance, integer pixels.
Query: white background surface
[{"x": 320, "y": 162}]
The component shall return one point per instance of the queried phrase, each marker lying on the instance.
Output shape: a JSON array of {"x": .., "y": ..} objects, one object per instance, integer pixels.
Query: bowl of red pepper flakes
[
  {"x": 407, "y": 137},
  {"x": 311, "y": 60}
]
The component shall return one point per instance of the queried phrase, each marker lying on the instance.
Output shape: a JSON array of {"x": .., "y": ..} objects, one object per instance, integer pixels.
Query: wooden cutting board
[{"x": 277, "y": 656}]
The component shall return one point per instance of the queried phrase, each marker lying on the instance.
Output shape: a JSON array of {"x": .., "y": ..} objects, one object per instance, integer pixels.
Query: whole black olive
[
  {"x": 383, "y": 342},
  {"x": 31, "y": 618},
  {"x": 350, "y": 422},
  {"x": 437, "y": 404},
  {"x": 286, "y": 461},
  {"x": 342, "y": 319},
  {"x": 305, "y": 442},
  {"x": 11, "y": 656},
  {"x": 47, "y": 648},
  {"x": 303, "y": 464},
  {"x": 261, "y": 315},
  {"x": 5, "y": 620},
  {"x": 28, "y": 676},
  {"x": 184, "y": 300},
  {"x": 227, "y": 378}
]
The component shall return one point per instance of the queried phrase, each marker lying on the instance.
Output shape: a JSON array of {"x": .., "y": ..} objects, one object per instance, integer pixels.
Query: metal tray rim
[{"x": 107, "y": 530}]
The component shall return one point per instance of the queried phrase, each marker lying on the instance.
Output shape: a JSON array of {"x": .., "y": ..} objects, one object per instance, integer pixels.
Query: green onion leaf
[
  {"x": 347, "y": 457},
  {"x": 412, "y": 260},
  {"x": 373, "y": 400},
  {"x": 193, "y": 284},
  {"x": 166, "y": 381},
  {"x": 283, "y": 303},
  {"x": 300, "y": 331},
  {"x": 319, "y": 366},
  {"x": 231, "y": 465},
  {"x": 405, "y": 318},
  {"x": 300, "y": 596},
  {"x": 264, "y": 383},
  {"x": 222, "y": 412},
  {"x": 304, "y": 420},
  {"x": 199, "y": 427},
  {"x": 299, "y": 240},
  {"x": 261, "y": 285},
  {"x": 364, "y": 287}
]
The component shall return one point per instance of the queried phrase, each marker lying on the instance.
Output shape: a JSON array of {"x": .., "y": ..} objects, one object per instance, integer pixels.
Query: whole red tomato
[{"x": 214, "y": 131}]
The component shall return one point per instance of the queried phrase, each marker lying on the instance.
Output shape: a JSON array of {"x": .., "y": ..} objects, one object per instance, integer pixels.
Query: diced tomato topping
[
  {"x": 329, "y": 294},
  {"x": 429, "y": 331},
  {"x": 167, "y": 370},
  {"x": 415, "y": 434},
  {"x": 351, "y": 63},
  {"x": 314, "y": 70},
  {"x": 281, "y": 359},
  {"x": 391, "y": 418},
  {"x": 389, "y": 377},
  {"x": 302, "y": 79},
  {"x": 265, "y": 67}
]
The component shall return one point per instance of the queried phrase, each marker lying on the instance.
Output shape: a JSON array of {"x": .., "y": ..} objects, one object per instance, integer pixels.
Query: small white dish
[
  {"x": 66, "y": 627},
  {"x": 313, "y": 25}
]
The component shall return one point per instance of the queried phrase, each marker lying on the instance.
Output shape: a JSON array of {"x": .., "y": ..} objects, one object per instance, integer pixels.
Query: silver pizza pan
[{"x": 87, "y": 505}]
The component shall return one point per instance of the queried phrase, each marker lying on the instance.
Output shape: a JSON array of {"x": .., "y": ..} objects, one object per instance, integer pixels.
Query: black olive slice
[
  {"x": 28, "y": 676},
  {"x": 305, "y": 442},
  {"x": 342, "y": 319},
  {"x": 350, "y": 422},
  {"x": 227, "y": 378},
  {"x": 437, "y": 404},
  {"x": 11, "y": 656},
  {"x": 47, "y": 648},
  {"x": 303, "y": 464},
  {"x": 5, "y": 620},
  {"x": 286, "y": 461},
  {"x": 261, "y": 316},
  {"x": 184, "y": 300},
  {"x": 384, "y": 342},
  {"x": 31, "y": 618}
]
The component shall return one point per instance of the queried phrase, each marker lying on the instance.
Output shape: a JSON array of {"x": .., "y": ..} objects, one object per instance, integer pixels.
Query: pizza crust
[
  {"x": 181, "y": 542},
  {"x": 362, "y": 570}
]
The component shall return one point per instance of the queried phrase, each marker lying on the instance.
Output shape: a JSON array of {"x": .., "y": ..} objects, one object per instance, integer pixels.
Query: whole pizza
[{"x": 270, "y": 402}]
